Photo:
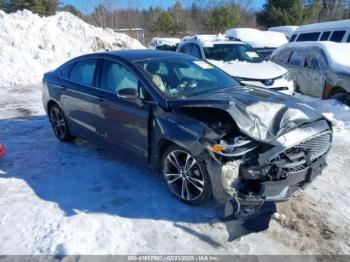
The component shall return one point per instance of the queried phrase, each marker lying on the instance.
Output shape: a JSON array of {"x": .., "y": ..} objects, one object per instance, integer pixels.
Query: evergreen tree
[
  {"x": 71, "y": 9},
  {"x": 164, "y": 24},
  {"x": 40, "y": 7},
  {"x": 2, "y": 4},
  {"x": 50, "y": 7},
  {"x": 222, "y": 18},
  {"x": 289, "y": 12}
]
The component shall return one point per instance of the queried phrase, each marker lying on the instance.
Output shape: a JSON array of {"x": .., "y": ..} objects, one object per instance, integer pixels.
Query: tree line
[{"x": 198, "y": 16}]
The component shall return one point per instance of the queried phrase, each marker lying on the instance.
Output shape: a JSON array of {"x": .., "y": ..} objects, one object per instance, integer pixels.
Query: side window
[
  {"x": 337, "y": 36},
  {"x": 325, "y": 36},
  {"x": 348, "y": 38},
  {"x": 65, "y": 71},
  {"x": 292, "y": 39},
  {"x": 282, "y": 57},
  {"x": 311, "y": 63},
  {"x": 115, "y": 77},
  {"x": 308, "y": 37},
  {"x": 186, "y": 49},
  {"x": 297, "y": 58},
  {"x": 196, "y": 52},
  {"x": 83, "y": 71}
]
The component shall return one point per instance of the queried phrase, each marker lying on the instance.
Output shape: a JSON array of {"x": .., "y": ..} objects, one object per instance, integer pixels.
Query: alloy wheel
[
  {"x": 184, "y": 176},
  {"x": 58, "y": 122}
]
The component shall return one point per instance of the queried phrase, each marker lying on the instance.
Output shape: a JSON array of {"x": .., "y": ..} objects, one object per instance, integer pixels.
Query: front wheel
[
  {"x": 185, "y": 176},
  {"x": 59, "y": 124},
  {"x": 342, "y": 97}
]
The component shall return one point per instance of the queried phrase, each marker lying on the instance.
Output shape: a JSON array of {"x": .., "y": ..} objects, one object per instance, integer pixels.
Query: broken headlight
[{"x": 235, "y": 147}]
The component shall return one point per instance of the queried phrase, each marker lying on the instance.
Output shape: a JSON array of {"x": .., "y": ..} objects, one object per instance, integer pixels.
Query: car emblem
[
  {"x": 268, "y": 82},
  {"x": 308, "y": 129}
]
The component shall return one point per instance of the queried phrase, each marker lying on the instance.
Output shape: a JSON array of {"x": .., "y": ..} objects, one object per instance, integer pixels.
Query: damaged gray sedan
[{"x": 202, "y": 131}]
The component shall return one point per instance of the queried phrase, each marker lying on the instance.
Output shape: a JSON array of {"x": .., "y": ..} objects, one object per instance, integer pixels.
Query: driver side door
[{"x": 122, "y": 113}]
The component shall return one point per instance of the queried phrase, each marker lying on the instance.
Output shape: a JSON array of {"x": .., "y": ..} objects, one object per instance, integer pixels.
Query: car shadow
[{"x": 81, "y": 177}]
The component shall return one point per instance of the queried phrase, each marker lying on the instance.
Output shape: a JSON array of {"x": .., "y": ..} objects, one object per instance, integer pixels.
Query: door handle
[{"x": 101, "y": 98}]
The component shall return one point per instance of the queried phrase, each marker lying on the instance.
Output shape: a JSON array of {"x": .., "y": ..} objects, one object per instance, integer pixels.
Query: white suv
[{"x": 239, "y": 60}]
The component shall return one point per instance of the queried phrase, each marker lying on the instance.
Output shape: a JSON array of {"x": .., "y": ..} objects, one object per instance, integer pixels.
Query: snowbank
[
  {"x": 157, "y": 41},
  {"x": 257, "y": 38},
  {"x": 288, "y": 30},
  {"x": 31, "y": 45}
]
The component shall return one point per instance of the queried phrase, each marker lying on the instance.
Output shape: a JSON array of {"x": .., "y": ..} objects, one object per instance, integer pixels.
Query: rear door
[
  {"x": 122, "y": 120},
  {"x": 78, "y": 96}
]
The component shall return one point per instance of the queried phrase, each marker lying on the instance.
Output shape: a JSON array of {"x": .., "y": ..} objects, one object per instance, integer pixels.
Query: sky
[{"x": 86, "y": 6}]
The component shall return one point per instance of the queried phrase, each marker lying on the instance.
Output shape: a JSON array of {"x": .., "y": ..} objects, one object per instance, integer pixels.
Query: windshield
[
  {"x": 177, "y": 78},
  {"x": 232, "y": 52}
]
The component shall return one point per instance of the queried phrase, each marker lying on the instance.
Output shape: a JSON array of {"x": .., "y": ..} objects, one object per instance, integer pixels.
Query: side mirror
[{"x": 128, "y": 93}]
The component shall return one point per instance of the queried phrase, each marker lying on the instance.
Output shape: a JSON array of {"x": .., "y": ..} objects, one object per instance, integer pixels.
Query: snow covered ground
[
  {"x": 31, "y": 45},
  {"x": 58, "y": 198},
  {"x": 75, "y": 198}
]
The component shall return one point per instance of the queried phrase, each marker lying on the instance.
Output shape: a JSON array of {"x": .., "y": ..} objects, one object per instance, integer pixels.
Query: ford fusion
[{"x": 203, "y": 132}]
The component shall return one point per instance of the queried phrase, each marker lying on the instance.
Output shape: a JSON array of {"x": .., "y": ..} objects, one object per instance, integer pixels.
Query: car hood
[
  {"x": 259, "y": 113},
  {"x": 264, "y": 70}
]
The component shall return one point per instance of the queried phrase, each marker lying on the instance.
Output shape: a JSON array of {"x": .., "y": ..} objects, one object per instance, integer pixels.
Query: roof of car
[{"x": 142, "y": 54}]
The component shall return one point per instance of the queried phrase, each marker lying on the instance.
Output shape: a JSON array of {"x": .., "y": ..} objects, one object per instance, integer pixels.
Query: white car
[
  {"x": 287, "y": 30},
  {"x": 239, "y": 60},
  {"x": 166, "y": 44},
  {"x": 263, "y": 41}
]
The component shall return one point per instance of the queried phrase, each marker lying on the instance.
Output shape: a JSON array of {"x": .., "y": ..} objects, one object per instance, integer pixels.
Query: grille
[{"x": 314, "y": 147}]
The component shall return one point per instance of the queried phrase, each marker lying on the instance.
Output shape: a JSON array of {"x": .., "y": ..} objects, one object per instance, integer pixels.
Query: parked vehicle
[
  {"x": 319, "y": 69},
  {"x": 287, "y": 30},
  {"x": 239, "y": 60},
  {"x": 337, "y": 31},
  {"x": 2, "y": 150},
  {"x": 264, "y": 41},
  {"x": 191, "y": 122},
  {"x": 166, "y": 44}
]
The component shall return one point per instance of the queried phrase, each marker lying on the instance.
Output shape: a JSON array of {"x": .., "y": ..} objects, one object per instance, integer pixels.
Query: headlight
[
  {"x": 287, "y": 77},
  {"x": 238, "y": 147}
]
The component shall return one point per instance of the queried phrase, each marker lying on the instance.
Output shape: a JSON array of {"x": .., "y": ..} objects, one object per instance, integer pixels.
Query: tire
[
  {"x": 59, "y": 124},
  {"x": 186, "y": 178},
  {"x": 342, "y": 97}
]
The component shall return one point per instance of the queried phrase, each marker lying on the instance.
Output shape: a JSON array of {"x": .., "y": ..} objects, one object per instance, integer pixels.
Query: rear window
[
  {"x": 337, "y": 36},
  {"x": 308, "y": 37},
  {"x": 325, "y": 36},
  {"x": 292, "y": 39},
  {"x": 65, "y": 71},
  {"x": 297, "y": 58},
  {"x": 83, "y": 71}
]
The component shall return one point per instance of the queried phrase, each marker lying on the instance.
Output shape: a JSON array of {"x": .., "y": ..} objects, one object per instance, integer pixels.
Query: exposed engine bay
[{"x": 253, "y": 171}]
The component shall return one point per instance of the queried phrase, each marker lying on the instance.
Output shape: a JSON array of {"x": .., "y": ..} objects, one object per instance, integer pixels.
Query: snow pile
[
  {"x": 157, "y": 41},
  {"x": 288, "y": 30},
  {"x": 257, "y": 38},
  {"x": 341, "y": 24},
  {"x": 31, "y": 45}
]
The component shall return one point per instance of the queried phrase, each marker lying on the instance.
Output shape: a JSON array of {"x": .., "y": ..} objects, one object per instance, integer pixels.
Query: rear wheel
[
  {"x": 185, "y": 176},
  {"x": 59, "y": 124},
  {"x": 342, "y": 97}
]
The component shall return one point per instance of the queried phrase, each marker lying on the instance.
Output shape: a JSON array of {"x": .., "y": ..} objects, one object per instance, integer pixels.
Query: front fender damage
[{"x": 264, "y": 157}]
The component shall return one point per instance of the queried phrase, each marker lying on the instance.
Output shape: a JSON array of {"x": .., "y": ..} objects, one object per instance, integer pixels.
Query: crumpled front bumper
[{"x": 280, "y": 190}]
